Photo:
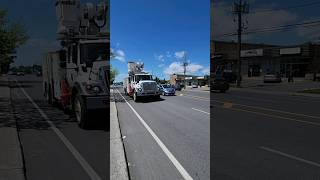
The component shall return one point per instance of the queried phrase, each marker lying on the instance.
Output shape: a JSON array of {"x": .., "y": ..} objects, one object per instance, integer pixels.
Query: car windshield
[
  {"x": 143, "y": 77},
  {"x": 166, "y": 86},
  {"x": 91, "y": 52}
]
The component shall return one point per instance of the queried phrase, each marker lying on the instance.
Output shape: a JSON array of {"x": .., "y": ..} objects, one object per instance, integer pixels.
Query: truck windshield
[
  {"x": 90, "y": 52},
  {"x": 143, "y": 77}
]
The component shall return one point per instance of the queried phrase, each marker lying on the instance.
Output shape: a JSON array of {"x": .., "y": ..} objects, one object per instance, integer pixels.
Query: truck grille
[{"x": 149, "y": 86}]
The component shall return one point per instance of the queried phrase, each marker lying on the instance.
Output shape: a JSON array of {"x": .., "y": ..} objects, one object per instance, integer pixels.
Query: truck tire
[
  {"x": 80, "y": 111},
  {"x": 135, "y": 97}
]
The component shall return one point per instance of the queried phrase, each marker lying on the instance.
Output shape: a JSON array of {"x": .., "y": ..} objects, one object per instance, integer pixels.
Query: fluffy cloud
[
  {"x": 176, "y": 67},
  {"x": 223, "y": 19},
  {"x": 118, "y": 55},
  {"x": 160, "y": 65},
  {"x": 206, "y": 71},
  {"x": 161, "y": 58},
  {"x": 309, "y": 32},
  {"x": 168, "y": 54},
  {"x": 179, "y": 54}
]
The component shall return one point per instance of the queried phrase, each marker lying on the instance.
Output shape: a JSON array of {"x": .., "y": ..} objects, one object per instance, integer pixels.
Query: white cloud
[
  {"x": 118, "y": 55},
  {"x": 309, "y": 32},
  {"x": 160, "y": 65},
  {"x": 168, "y": 54},
  {"x": 179, "y": 54},
  {"x": 223, "y": 21},
  {"x": 206, "y": 71},
  {"x": 161, "y": 58},
  {"x": 177, "y": 68}
]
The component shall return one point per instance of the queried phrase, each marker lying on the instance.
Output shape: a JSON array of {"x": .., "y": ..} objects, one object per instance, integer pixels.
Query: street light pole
[
  {"x": 185, "y": 64},
  {"x": 239, "y": 9}
]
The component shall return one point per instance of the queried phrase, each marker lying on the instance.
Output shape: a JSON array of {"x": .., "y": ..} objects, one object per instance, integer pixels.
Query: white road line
[
  {"x": 175, "y": 162},
  {"x": 200, "y": 111},
  {"x": 290, "y": 156},
  {"x": 85, "y": 165}
]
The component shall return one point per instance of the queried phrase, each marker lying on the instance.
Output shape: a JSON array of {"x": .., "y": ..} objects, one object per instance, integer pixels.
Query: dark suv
[{"x": 219, "y": 84}]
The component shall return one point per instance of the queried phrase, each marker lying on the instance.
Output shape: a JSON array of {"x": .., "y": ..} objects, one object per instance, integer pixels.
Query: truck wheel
[
  {"x": 80, "y": 111},
  {"x": 135, "y": 97}
]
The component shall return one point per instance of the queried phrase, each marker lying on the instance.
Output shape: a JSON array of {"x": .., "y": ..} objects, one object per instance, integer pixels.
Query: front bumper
[
  {"x": 96, "y": 102},
  {"x": 148, "y": 93},
  {"x": 169, "y": 93}
]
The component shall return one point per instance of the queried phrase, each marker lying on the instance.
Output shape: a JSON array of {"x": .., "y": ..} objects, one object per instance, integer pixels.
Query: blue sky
[
  {"x": 158, "y": 33},
  {"x": 39, "y": 18},
  {"x": 283, "y": 16}
]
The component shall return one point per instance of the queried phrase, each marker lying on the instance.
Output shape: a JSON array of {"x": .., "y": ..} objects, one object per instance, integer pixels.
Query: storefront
[{"x": 260, "y": 59}]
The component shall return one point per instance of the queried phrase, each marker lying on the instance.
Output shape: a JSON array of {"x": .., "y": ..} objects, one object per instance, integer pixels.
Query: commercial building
[
  {"x": 178, "y": 79},
  {"x": 259, "y": 59}
]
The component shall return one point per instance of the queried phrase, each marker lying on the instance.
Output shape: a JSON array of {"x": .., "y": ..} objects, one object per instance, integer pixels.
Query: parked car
[
  {"x": 219, "y": 84},
  {"x": 20, "y": 73},
  {"x": 230, "y": 77},
  {"x": 194, "y": 86},
  {"x": 272, "y": 78},
  {"x": 39, "y": 73},
  {"x": 167, "y": 89},
  {"x": 178, "y": 87}
]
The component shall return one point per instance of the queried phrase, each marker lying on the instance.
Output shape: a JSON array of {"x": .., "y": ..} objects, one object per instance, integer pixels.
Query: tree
[
  {"x": 12, "y": 35},
  {"x": 113, "y": 73}
]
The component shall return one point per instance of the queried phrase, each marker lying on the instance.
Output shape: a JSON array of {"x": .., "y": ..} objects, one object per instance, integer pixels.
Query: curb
[
  {"x": 118, "y": 163},
  {"x": 306, "y": 95},
  {"x": 11, "y": 158}
]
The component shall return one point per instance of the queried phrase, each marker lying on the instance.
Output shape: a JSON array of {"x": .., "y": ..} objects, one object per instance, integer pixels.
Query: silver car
[{"x": 272, "y": 78}]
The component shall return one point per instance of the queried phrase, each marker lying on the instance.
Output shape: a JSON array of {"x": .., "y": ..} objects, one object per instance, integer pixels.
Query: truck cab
[{"x": 87, "y": 75}]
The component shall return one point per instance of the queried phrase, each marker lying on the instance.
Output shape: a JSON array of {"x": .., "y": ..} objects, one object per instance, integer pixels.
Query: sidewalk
[
  {"x": 11, "y": 161},
  {"x": 118, "y": 165}
]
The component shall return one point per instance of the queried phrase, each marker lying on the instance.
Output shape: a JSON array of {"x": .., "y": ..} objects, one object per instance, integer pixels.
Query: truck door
[{"x": 72, "y": 65}]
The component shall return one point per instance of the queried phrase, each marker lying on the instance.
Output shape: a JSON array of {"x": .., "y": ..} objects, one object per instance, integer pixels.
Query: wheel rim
[{"x": 77, "y": 109}]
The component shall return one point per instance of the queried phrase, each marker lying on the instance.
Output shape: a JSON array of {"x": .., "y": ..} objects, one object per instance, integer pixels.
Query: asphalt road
[
  {"x": 167, "y": 138},
  {"x": 73, "y": 154},
  {"x": 265, "y": 135}
]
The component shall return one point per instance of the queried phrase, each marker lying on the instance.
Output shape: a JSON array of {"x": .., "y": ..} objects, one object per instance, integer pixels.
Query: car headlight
[
  {"x": 96, "y": 89},
  {"x": 93, "y": 88}
]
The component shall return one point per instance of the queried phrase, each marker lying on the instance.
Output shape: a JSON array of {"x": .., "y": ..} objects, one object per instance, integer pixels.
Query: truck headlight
[{"x": 96, "y": 89}]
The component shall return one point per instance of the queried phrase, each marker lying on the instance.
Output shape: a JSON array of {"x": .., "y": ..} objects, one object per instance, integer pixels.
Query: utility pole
[
  {"x": 185, "y": 64},
  {"x": 239, "y": 9}
]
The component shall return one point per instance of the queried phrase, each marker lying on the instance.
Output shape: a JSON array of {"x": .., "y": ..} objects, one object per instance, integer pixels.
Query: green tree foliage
[
  {"x": 12, "y": 35},
  {"x": 113, "y": 73}
]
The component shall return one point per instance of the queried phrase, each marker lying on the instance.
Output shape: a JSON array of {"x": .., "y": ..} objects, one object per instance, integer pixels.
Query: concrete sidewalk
[
  {"x": 118, "y": 163},
  {"x": 11, "y": 161}
]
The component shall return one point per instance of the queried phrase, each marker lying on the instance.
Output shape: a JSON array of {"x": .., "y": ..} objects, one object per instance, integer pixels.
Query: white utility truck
[
  {"x": 139, "y": 83},
  {"x": 76, "y": 77}
]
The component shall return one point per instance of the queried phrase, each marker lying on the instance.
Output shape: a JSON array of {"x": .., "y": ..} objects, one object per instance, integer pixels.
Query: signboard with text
[
  {"x": 252, "y": 53},
  {"x": 288, "y": 51}
]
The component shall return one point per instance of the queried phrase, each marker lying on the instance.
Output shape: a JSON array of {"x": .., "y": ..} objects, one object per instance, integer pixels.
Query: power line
[
  {"x": 276, "y": 28},
  {"x": 288, "y": 7}
]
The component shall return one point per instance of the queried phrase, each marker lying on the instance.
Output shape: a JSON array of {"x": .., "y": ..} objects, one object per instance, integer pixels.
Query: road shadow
[
  {"x": 6, "y": 118},
  {"x": 14, "y": 84}
]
